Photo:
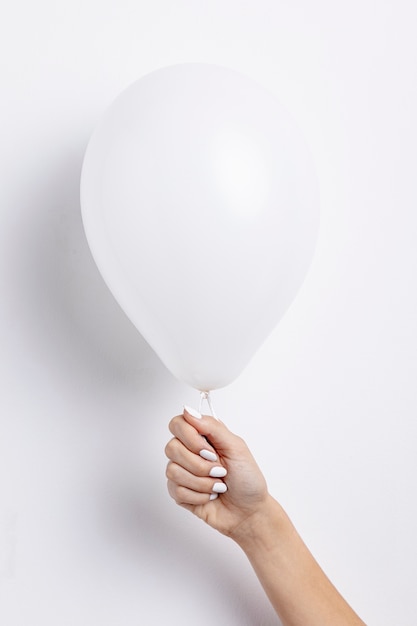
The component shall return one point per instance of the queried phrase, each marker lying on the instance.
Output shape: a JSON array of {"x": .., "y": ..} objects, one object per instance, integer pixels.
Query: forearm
[{"x": 297, "y": 587}]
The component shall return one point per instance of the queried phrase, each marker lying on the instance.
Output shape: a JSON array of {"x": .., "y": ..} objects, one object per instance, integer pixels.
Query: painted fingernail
[
  {"x": 192, "y": 412},
  {"x": 218, "y": 472},
  {"x": 208, "y": 455},
  {"x": 219, "y": 487},
  {"x": 213, "y": 496}
]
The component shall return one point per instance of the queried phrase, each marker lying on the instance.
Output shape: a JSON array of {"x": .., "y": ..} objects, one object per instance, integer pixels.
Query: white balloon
[{"x": 200, "y": 204}]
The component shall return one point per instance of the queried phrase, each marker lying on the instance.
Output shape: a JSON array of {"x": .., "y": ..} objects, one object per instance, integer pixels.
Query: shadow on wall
[
  {"x": 187, "y": 566},
  {"x": 69, "y": 317},
  {"x": 74, "y": 335}
]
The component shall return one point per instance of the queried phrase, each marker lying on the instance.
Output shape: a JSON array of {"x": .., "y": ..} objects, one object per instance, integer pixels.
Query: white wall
[{"x": 88, "y": 534}]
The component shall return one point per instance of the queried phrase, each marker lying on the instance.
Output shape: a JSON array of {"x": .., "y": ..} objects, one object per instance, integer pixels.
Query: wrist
[{"x": 267, "y": 522}]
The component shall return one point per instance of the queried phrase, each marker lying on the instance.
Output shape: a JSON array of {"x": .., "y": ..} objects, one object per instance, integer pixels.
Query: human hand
[
  {"x": 204, "y": 453},
  {"x": 212, "y": 473}
]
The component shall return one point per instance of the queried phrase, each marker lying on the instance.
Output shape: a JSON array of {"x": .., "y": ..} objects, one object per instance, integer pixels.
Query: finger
[
  {"x": 187, "y": 497},
  {"x": 191, "y": 439},
  {"x": 221, "y": 438},
  {"x": 182, "y": 477},
  {"x": 194, "y": 463}
]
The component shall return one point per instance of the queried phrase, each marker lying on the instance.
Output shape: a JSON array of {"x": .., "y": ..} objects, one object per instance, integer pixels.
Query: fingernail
[
  {"x": 208, "y": 455},
  {"x": 192, "y": 412},
  {"x": 219, "y": 487},
  {"x": 213, "y": 496},
  {"x": 218, "y": 472}
]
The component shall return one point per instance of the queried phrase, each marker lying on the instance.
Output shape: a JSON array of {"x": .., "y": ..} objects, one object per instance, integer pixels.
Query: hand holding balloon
[
  {"x": 198, "y": 471},
  {"x": 297, "y": 587}
]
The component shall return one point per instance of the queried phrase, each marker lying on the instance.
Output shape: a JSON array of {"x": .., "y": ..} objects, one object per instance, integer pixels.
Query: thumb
[{"x": 217, "y": 433}]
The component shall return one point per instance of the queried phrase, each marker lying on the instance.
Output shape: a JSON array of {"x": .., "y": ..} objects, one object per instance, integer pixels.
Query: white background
[{"x": 88, "y": 534}]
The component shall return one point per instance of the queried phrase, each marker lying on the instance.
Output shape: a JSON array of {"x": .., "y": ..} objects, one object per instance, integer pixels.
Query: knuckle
[
  {"x": 173, "y": 424},
  {"x": 180, "y": 495},
  {"x": 240, "y": 443},
  {"x": 173, "y": 472},
  {"x": 238, "y": 440},
  {"x": 169, "y": 448}
]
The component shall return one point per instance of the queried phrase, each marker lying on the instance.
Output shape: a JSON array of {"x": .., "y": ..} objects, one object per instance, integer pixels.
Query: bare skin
[{"x": 298, "y": 589}]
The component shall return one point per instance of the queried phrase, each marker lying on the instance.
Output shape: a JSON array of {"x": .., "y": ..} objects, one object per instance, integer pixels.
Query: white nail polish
[
  {"x": 219, "y": 487},
  {"x": 192, "y": 412},
  {"x": 213, "y": 496},
  {"x": 218, "y": 472},
  {"x": 208, "y": 455}
]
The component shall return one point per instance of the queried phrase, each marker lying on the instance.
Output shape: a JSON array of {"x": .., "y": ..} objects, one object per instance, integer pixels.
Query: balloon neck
[{"x": 205, "y": 397}]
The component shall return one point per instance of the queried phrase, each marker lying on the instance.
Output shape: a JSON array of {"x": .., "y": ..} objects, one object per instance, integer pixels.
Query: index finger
[{"x": 191, "y": 438}]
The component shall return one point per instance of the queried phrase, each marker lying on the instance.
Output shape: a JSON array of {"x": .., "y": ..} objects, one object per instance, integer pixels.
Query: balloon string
[{"x": 205, "y": 396}]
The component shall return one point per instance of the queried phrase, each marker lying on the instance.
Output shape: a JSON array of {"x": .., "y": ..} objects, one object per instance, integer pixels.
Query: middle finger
[{"x": 193, "y": 463}]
